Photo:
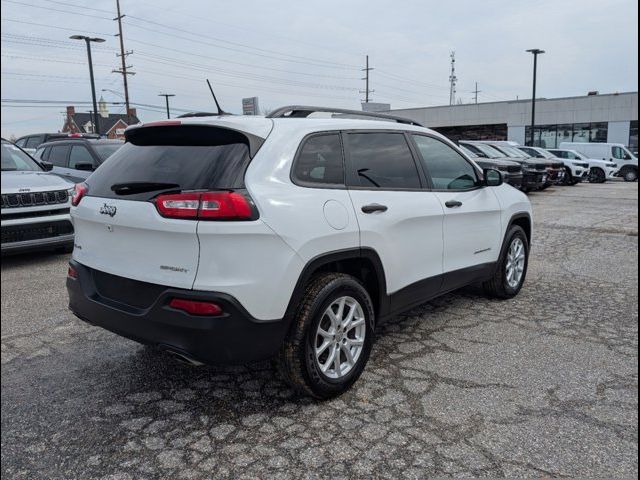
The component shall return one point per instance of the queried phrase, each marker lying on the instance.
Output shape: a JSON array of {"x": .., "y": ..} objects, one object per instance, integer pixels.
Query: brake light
[
  {"x": 205, "y": 206},
  {"x": 79, "y": 192},
  {"x": 196, "y": 307},
  {"x": 72, "y": 273}
]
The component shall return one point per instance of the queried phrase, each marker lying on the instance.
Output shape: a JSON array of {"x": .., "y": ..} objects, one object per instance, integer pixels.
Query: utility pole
[
  {"x": 366, "y": 71},
  {"x": 452, "y": 80},
  {"x": 88, "y": 41},
  {"x": 123, "y": 56},
  {"x": 166, "y": 99},
  {"x": 535, "y": 52},
  {"x": 476, "y": 92}
]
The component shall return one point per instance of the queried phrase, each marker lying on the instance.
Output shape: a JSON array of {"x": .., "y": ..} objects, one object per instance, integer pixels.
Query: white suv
[{"x": 228, "y": 239}]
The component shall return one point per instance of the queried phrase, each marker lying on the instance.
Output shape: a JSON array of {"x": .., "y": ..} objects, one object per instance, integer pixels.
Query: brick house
[{"x": 112, "y": 125}]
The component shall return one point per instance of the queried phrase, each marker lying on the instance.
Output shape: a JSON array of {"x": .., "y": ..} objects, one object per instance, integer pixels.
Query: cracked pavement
[{"x": 542, "y": 385}]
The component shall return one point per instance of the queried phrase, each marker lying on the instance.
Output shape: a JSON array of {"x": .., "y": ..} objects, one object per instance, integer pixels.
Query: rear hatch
[{"x": 138, "y": 218}]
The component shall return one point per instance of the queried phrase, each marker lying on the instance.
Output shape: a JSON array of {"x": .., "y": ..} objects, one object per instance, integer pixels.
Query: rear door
[
  {"x": 118, "y": 228},
  {"x": 80, "y": 155},
  {"x": 397, "y": 216},
  {"x": 472, "y": 214}
]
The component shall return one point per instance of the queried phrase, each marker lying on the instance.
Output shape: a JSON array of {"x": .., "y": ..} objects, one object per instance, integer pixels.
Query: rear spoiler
[{"x": 174, "y": 132}]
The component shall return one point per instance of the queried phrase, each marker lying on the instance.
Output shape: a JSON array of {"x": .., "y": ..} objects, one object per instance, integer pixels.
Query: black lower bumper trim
[{"x": 232, "y": 338}]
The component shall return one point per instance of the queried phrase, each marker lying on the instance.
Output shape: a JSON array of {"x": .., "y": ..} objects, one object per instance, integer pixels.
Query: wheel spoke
[
  {"x": 323, "y": 333},
  {"x": 324, "y": 367},
  {"x": 355, "y": 342},
  {"x": 355, "y": 323},
  {"x": 335, "y": 322},
  {"x": 347, "y": 322},
  {"x": 347, "y": 353},
  {"x": 323, "y": 347},
  {"x": 336, "y": 360}
]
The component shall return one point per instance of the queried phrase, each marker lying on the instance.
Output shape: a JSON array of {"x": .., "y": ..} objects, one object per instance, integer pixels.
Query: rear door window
[
  {"x": 59, "y": 155},
  {"x": 173, "y": 159},
  {"x": 320, "y": 161},
  {"x": 381, "y": 161},
  {"x": 80, "y": 154}
]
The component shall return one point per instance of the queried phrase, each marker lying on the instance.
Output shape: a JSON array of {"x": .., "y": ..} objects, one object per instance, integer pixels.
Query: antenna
[
  {"x": 220, "y": 111},
  {"x": 452, "y": 79}
]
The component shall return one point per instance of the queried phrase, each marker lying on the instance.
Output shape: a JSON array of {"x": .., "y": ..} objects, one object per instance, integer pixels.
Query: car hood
[
  {"x": 16, "y": 182},
  {"x": 498, "y": 162}
]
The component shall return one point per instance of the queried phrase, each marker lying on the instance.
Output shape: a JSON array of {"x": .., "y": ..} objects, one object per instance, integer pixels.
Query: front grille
[
  {"x": 541, "y": 167},
  {"x": 39, "y": 213},
  {"x": 558, "y": 165},
  {"x": 125, "y": 290},
  {"x": 514, "y": 168},
  {"x": 14, "y": 200},
  {"x": 37, "y": 231}
]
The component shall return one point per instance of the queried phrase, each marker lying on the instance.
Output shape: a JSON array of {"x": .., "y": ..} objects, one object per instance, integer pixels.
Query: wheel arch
[
  {"x": 523, "y": 220},
  {"x": 363, "y": 264}
]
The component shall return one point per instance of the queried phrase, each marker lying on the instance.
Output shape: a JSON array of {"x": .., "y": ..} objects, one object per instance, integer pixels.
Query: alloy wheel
[
  {"x": 339, "y": 338},
  {"x": 516, "y": 258}
]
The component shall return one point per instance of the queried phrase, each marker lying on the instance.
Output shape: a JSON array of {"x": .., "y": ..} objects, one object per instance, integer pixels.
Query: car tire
[
  {"x": 597, "y": 175},
  {"x": 630, "y": 175},
  {"x": 503, "y": 284},
  {"x": 316, "y": 337},
  {"x": 568, "y": 178}
]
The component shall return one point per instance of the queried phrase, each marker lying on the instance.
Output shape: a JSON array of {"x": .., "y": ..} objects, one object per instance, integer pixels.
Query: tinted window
[
  {"x": 320, "y": 161},
  {"x": 79, "y": 154},
  {"x": 58, "y": 155},
  {"x": 14, "y": 159},
  {"x": 105, "y": 150},
  {"x": 448, "y": 169},
  {"x": 181, "y": 167},
  {"x": 33, "y": 142},
  {"x": 382, "y": 160},
  {"x": 21, "y": 142}
]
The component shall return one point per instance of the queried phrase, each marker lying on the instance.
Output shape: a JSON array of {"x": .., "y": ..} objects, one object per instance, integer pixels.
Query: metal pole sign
[{"x": 250, "y": 106}]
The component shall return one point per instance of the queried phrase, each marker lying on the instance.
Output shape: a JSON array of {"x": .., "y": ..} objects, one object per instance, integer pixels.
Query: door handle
[
  {"x": 453, "y": 204},
  {"x": 374, "y": 207}
]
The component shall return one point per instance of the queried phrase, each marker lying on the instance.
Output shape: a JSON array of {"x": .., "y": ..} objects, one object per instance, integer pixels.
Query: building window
[
  {"x": 475, "y": 132},
  {"x": 551, "y": 136},
  {"x": 633, "y": 136}
]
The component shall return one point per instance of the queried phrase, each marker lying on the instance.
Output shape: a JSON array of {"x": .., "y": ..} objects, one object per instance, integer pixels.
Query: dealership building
[{"x": 592, "y": 118}]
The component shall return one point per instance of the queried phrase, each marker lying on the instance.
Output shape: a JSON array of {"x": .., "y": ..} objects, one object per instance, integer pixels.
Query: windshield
[
  {"x": 513, "y": 152},
  {"x": 489, "y": 151},
  {"x": 105, "y": 150},
  {"x": 468, "y": 151},
  {"x": 546, "y": 154},
  {"x": 15, "y": 160}
]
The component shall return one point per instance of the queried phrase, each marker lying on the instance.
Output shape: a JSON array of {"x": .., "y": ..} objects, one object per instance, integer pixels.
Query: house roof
[{"x": 106, "y": 124}]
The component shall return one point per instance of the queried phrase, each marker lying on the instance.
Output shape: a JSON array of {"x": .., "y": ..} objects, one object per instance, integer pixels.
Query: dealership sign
[{"x": 250, "y": 106}]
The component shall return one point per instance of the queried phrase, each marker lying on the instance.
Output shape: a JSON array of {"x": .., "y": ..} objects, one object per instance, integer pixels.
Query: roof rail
[
  {"x": 199, "y": 114},
  {"x": 301, "y": 111}
]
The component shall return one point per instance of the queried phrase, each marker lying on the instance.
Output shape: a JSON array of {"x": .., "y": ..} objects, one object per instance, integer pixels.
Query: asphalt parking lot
[{"x": 543, "y": 385}]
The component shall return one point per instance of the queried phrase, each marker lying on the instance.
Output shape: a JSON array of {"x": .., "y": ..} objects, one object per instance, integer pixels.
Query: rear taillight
[
  {"x": 79, "y": 192},
  {"x": 196, "y": 307},
  {"x": 72, "y": 273},
  {"x": 206, "y": 206}
]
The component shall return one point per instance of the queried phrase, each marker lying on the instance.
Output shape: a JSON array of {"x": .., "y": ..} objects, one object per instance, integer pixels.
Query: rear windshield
[
  {"x": 173, "y": 161},
  {"x": 105, "y": 150}
]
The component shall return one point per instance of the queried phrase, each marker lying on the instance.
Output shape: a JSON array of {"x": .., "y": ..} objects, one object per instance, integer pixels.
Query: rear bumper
[{"x": 231, "y": 338}]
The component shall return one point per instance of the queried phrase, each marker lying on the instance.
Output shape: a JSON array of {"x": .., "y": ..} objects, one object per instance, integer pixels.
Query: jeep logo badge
[{"x": 108, "y": 210}]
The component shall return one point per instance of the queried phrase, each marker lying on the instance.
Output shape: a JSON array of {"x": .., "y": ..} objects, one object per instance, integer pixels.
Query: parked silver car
[{"x": 35, "y": 204}]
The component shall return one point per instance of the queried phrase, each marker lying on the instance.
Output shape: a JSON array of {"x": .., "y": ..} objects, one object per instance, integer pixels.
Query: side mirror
[
  {"x": 48, "y": 166},
  {"x": 492, "y": 177},
  {"x": 84, "y": 166}
]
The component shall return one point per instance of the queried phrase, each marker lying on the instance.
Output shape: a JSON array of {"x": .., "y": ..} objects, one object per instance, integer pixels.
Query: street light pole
[
  {"x": 535, "y": 52},
  {"x": 166, "y": 99},
  {"x": 88, "y": 40}
]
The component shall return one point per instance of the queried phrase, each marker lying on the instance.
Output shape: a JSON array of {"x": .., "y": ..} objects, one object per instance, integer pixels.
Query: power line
[
  {"x": 55, "y": 9},
  {"x": 52, "y": 26}
]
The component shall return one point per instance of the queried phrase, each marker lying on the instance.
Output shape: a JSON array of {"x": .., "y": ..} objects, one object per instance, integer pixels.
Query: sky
[{"x": 307, "y": 52}]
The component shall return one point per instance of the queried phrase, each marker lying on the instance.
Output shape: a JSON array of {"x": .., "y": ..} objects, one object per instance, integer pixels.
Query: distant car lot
[{"x": 544, "y": 385}]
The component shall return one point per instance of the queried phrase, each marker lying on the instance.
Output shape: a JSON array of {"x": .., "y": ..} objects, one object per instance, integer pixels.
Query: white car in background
[
  {"x": 617, "y": 153},
  {"x": 599, "y": 170},
  {"x": 576, "y": 170},
  {"x": 35, "y": 204}
]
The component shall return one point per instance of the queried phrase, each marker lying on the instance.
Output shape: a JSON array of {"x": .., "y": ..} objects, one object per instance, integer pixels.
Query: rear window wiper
[{"x": 131, "y": 188}]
